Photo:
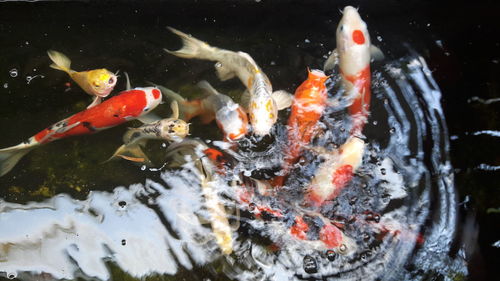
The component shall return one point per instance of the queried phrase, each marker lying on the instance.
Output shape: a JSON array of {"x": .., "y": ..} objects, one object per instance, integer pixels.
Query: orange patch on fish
[{"x": 358, "y": 37}]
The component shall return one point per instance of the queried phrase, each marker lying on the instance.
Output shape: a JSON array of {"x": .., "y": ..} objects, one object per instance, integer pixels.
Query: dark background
[{"x": 466, "y": 64}]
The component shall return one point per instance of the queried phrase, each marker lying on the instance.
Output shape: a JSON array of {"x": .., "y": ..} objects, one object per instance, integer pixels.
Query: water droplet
[
  {"x": 331, "y": 255},
  {"x": 376, "y": 218},
  {"x": 122, "y": 204},
  {"x": 5, "y": 85},
  {"x": 273, "y": 62},
  {"x": 366, "y": 236},
  {"x": 310, "y": 265},
  {"x": 13, "y": 72},
  {"x": 343, "y": 248},
  {"x": 124, "y": 242},
  {"x": 379, "y": 38},
  {"x": 143, "y": 167},
  {"x": 386, "y": 101},
  {"x": 307, "y": 41},
  {"x": 392, "y": 130},
  {"x": 383, "y": 171},
  {"x": 163, "y": 145},
  {"x": 27, "y": 43},
  {"x": 375, "y": 122}
]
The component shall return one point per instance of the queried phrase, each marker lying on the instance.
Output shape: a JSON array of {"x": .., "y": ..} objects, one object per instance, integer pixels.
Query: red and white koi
[
  {"x": 308, "y": 105},
  {"x": 230, "y": 117},
  {"x": 129, "y": 105},
  {"x": 353, "y": 55},
  {"x": 336, "y": 171},
  {"x": 260, "y": 100}
]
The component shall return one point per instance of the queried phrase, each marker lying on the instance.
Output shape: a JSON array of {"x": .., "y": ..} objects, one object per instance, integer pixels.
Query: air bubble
[
  {"x": 307, "y": 40},
  {"x": 383, "y": 171},
  {"x": 13, "y": 73},
  {"x": 392, "y": 130},
  {"x": 143, "y": 167},
  {"x": 5, "y": 85},
  {"x": 310, "y": 265}
]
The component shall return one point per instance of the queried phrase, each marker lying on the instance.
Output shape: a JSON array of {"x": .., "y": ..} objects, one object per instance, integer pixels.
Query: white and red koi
[
  {"x": 353, "y": 55},
  {"x": 262, "y": 103},
  {"x": 128, "y": 105},
  {"x": 230, "y": 117},
  {"x": 307, "y": 108},
  {"x": 336, "y": 171}
]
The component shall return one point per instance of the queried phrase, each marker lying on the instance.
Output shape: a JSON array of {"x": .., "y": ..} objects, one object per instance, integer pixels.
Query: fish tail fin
[
  {"x": 60, "y": 61},
  {"x": 11, "y": 155},
  {"x": 192, "y": 47}
]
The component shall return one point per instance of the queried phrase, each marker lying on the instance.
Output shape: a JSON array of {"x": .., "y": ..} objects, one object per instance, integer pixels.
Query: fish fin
[
  {"x": 376, "y": 53},
  {"x": 170, "y": 94},
  {"x": 245, "y": 100},
  {"x": 60, "y": 61},
  {"x": 224, "y": 73},
  {"x": 206, "y": 118},
  {"x": 148, "y": 118},
  {"x": 204, "y": 85},
  {"x": 96, "y": 101},
  {"x": 282, "y": 98},
  {"x": 132, "y": 135},
  {"x": 174, "y": 106},
  {"x": 127, "y": 85},
  {"x": 191, "y": 48},
  {"x": 332, "y": 61},
  {"x": 130, "y": 152},
  {"x": 11, "y": 155}
]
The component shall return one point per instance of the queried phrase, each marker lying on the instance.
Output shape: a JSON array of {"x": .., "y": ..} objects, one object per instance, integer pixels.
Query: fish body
[
  {"x": 335, "y": 172},
  {"x": 261, "y": 102},
  {"x": 353, "y": 55},
  {"x": 229, "y": 116},
  {"x": 210, "y": 183},
  {"x": 97, "y": 82},
  {"x": 307, "y": 108},
  {"x": 126, "y": 106},
  {"x": 170, "y": 129}
]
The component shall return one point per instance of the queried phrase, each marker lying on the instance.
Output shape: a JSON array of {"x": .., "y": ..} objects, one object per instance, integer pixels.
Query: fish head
[
  {"x": 102, "y": 82},
  {"x": 263, "y": 114},
  {"x": 153, "y": 98},
  {"x": 353, "y": 41},
  {"x": 173, "y": 129},
  {"x": 233, "y": 121}
]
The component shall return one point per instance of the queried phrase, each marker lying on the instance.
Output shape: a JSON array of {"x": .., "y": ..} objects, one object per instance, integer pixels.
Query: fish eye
[
  {"x": 342, "y": 28},
  {"x": 111, "y": 80}
]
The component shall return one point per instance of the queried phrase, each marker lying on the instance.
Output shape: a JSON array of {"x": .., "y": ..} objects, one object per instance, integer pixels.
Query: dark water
[{"x": 435, "y": 82}]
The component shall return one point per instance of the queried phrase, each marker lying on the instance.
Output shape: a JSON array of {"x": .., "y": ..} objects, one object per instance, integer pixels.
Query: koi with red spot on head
[
  {"x": 128, "y": 105},
  {"x": 353, "y": 54}
]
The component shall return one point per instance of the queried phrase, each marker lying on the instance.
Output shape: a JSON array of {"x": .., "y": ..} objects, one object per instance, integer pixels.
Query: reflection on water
[{"x": 397, "y": 215}]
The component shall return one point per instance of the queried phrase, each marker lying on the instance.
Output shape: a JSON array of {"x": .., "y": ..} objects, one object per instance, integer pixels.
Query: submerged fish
[
  {"x": 230, "y": 117},
  {"x": 97, "y": 82},
  {"x": 307, "y": 108},
  {"x": 128, "y": 105},
  {"x": 170, "y": 129},
  {"x": 336, "y": 171},
  {"x": 353, "y": 55},
  {"x": 260, "y": 100},
  {"x": 210, "y": 182}
]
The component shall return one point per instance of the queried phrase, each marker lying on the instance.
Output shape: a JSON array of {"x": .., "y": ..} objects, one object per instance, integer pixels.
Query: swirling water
[
  {"x": 159, "y": 228},
  {"x": 153, "y": 224}
]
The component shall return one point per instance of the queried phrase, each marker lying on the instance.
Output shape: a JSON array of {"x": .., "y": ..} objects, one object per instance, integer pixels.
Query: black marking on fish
[
  {"x": 89, "y": 126},
  {"x": 152, "y": 129},
  {"x": 116, "y": 115}
]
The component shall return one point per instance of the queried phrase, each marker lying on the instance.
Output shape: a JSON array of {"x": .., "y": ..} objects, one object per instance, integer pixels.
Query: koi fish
[
  {"x": 97, "y": 82},
  {"x": 230, "y": 117},
  {"x": 171, "y": 129},
  {"x": 336, "y": 171},
  {"x": 353, "y": 55},
  {"x": 129, "y": 105},
  {"x": 209, "y": 182},
  {"x": 260, "y": 100},
  {"x": 309, "y": 101}
]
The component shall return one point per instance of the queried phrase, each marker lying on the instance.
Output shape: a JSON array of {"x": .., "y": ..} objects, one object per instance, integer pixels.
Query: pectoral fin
[
  {"x": 376, "y": 53},
  {"x": 223, "y": 72},
  {"x": 132, "y": 153},
  {"x": 282, "y": 98},
  {"x": 149, "y": 118},
  {"x": 245, "y": 100},
  {"x": 332, "y": 61},
  {"x": 127, "y": 85},
  {"x": 96, "y": 101}
]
